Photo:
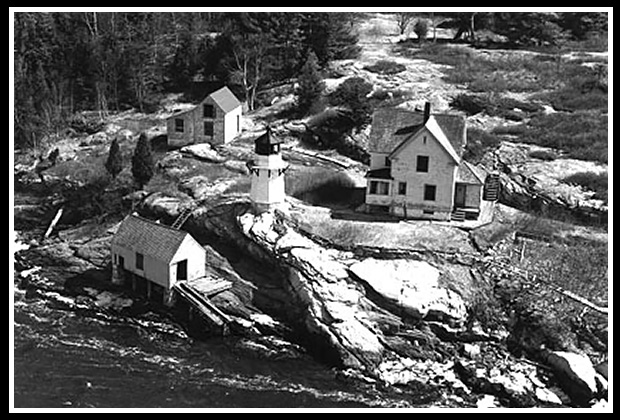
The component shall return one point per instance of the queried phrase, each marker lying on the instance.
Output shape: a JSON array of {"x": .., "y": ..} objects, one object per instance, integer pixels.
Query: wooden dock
[{"x": 197, "y": 292}]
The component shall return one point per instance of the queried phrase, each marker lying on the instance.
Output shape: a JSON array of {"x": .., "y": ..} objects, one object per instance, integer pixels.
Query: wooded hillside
[
  {"x": 68, "y": 62},
  {"x": 110, "y": 61}
]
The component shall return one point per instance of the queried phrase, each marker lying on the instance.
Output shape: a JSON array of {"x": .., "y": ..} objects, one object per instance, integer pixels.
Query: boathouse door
[{"x": 182, "y": 270}]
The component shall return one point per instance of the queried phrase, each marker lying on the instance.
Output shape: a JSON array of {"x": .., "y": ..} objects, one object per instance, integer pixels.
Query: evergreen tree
[
  {"x": 311, "y": 85},
  {"x": 352, "y": 95},
  {"x": 114, "y": 164},
  {"x": 330, "y": 35},
  {"x": 142, "y": 165},
  {"x": 421, "y": 29}
]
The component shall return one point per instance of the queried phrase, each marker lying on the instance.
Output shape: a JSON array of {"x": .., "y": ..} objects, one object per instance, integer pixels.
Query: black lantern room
[{"x": 267, "y": 144}]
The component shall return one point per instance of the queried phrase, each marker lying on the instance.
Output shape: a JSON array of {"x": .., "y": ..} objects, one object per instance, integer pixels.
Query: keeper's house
[
  {"x": 417, "y": 168},
  {"x": 153, "y": 257},
  {"x": 216, "y": 120}
]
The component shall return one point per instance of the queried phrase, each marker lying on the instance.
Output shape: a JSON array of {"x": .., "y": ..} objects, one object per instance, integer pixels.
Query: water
[{"x": 68, "y": 354}]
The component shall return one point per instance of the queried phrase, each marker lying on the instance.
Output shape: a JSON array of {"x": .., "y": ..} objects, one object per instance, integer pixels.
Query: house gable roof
[
  {"x": 435, "y": 130},
  {"x": 391, "y": 127},
  {"x": 469, "y": 174},
  {"x": 224, "y": 99},
  {"x": 158, "y": 241}
]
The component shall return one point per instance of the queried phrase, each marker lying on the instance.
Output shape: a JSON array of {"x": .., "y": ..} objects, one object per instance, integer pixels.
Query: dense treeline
[
  {"x": 68, "y": 62},
  {"x": 110, "y": 61}
]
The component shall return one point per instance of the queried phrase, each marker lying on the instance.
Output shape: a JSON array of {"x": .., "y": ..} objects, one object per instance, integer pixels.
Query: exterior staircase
[
  {"x": 491, "y": 187},
  {"x": 182, "y": 218},
  {"x": 458, "y": 215},
  {"x": 215, "y": 318}
]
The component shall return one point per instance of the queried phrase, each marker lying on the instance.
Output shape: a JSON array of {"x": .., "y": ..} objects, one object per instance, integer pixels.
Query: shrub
[
  {"x": 495, "y": 105},
  {"x": 387, "y": 67},
  {"x": 547, "y": 155},
  {"x": 597, "y": 182},
  {"x": 329, "y": 130}
]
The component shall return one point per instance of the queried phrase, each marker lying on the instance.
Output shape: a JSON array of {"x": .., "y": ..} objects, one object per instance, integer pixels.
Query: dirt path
[{"x": 421, "y": 81}]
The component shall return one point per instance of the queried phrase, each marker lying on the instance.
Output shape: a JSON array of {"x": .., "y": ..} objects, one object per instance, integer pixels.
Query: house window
[
  {"x": 430, "y": 192},
  {"x": 238, "y": 123},
  {"x": 422, "y": 164},
  {"x": 379, "y": 188},
  {"x": 388, "y": 162},
  {"x": 372, "y": 189},
  {"x": 402, "y": 188},
  {"x": 179, "y": 125},
  {"x": 428, "y": 212},
  {"x": 208, "y": 111},
  {"x": 208, "y": 128},
  {"x": 182, "y": 270},
  {"x": 139, "y": 261}
]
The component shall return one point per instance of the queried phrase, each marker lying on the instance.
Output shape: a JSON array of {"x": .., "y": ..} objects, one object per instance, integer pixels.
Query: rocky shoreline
[{"x": 387, "y": 321}]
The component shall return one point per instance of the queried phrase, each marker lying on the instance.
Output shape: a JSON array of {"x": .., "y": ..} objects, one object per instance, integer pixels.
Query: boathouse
[{"x": 153, "y": 257}]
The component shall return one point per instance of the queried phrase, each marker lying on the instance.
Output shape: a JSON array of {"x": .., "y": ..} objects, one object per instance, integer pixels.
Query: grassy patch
[
  {"x": 478, "y": 143},
  {"x": 319, "y": 186},
  {"x": 544, "y": 317},
  {"x": 582, "y": 135},
  {"x": 511, "y": 72}
]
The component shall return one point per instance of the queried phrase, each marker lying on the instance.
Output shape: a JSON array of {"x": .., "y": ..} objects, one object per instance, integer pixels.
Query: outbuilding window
[
  {"x": 208, "y": 128},
  {"x": 208, "y": 111},
  {"x": 179, "y": 125},
  {"x": 139, "y": 261}
]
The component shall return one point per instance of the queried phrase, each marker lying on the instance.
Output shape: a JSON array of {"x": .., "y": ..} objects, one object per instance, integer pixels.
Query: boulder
[
  {"x": 196, "y": 186},
  {"x": 575, "y": 374},
  {"x": 412, "y": 286},
  {"x": 602, "y": 368},
  {"x": 161, "y": 204},
  {"x": 100, "y": 137},
  {"x": 471, "y": 350},
  {"x": 96, "y": 251},
  {"x": 237, "y": 166},
  {"x": 203, "y": 151}
]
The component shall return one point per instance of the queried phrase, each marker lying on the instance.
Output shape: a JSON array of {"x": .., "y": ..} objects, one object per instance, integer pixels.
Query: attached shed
[
  {"x": 155, "y": 255},
  {"x": 216, "y": 120}
]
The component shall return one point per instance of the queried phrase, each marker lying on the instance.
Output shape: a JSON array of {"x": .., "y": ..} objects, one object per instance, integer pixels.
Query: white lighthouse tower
[{"x": 267, "y": 172}]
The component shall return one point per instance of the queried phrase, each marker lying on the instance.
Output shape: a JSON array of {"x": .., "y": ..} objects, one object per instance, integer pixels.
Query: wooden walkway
[{"x": 197, "y": 292}]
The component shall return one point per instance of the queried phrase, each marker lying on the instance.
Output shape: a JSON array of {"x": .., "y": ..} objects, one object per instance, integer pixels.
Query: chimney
[{"x": 427, "y": 111}]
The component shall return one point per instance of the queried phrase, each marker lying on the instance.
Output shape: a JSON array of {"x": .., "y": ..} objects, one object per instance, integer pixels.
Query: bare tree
[
  {"x": 403, "y": 20},
  {"x": 249, "y": 52}
]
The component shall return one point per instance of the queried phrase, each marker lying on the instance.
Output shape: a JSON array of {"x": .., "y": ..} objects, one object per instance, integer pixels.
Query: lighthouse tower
[{"x": 267, "y": 172}]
